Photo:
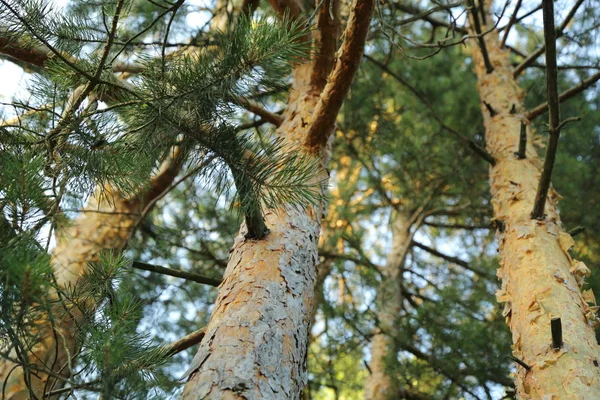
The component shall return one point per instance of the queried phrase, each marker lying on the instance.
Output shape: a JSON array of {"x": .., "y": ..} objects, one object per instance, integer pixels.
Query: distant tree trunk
[
  {"x": 105, "y": 224},
  {"x": 381, "y": 383},
  {"x": 540, "y": 280},
  {"x": 347, "y": 174},
  {"x": 255, "y": 343}
]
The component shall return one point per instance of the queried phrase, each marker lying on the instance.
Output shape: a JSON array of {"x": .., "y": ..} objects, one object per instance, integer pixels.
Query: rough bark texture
[
  {"x": 106, "y": 223},
  {"x": 380, "y": 384},
  {"x": 540, "y": 280},
  {"x": 255, "y": 343},
  {"x": 254, "y": 346}
]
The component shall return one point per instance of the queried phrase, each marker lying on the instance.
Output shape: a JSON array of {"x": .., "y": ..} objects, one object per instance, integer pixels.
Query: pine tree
[
  {"x": 87, "y": 131},
  {"x": 541, "y": 282}
]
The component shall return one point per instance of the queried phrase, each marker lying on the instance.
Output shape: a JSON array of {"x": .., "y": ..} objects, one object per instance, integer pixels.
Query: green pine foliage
[{"x": 72, "y": 145}]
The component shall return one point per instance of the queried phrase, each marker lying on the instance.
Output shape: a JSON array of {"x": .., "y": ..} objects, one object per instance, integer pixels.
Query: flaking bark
[{"x": 256, "y": 341}]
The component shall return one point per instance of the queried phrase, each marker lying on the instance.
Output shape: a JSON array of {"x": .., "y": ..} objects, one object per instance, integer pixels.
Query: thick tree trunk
[
  {"x": 381, "y": 384},
  {"x": 105, "y": 224},
  {"x": 255, "y": 343},
  {"x": 540, "y": 280}
]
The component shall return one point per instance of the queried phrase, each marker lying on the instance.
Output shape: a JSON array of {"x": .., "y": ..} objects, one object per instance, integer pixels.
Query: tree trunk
[
  {"x": 255, "y": 343},
  {"x": 381, "y": 384},
  {"x": 540, "y": 280},
  {"x": 105, "y": 224}
]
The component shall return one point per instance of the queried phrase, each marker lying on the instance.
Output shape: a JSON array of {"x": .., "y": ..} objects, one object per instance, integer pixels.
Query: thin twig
[
  {"x": 425, "y": 15},
  {"x": 451, "y": 259},
  {"x": 522, "y": 17},
  {"x": 511, "y": 22},
  {"x": 109, "y": 40}
]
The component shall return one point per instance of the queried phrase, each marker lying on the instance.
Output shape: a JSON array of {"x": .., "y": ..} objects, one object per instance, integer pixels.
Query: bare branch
[
  {"x": 452, "y": 259},
  {"x": 486, "y": 57},
  {"x": 441, "y": 225},
  {"x": 559, "y": 32},
  {"x": 326, "y": 43},
  {"x": 17, "y": 50},
  {"x": 553, "y": 111},
  {"x": 185, "y": 342},
  {"x": 522, "y": 17},
  {"x": 255, "y": 108},
  {"x": 472, "y": 145},
  {"x": 511, "y": 22},
  {"x": 190, "y": 276},
  {"x": 425, "y": 16},
  {"x": 567, "y": 94}
]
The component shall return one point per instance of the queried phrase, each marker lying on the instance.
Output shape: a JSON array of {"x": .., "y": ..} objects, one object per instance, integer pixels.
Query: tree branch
[
  {"x": 511, "y": 22},
  {"x": 553, "y": 110},
  {"x": 522, "y": 17},
  {"x": 340, "y": 78},
  {"x": 190, "y": 276},
  {"x": 17, "y": 50},
  {"x": 425, "y": 16},
  {"x": 567, "y": 94},
  {"x": 472, "y": 145},
  {"x": 326, "y": 43},
  {"x": 558, "y": 33},
  {"x": 486, "y": 57},
  {"x": 441, "y": 225},
  {"x": 451, "y": 259},
  {"x": 255, "y": 108},
  {"x": 185, "y": 342}
]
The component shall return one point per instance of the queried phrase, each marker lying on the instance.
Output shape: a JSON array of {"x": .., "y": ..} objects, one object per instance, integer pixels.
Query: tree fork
[{"x": 255, "y": 343}]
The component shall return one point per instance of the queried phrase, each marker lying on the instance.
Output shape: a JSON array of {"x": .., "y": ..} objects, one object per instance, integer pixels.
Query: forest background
[{"x": 405, "y": 289}]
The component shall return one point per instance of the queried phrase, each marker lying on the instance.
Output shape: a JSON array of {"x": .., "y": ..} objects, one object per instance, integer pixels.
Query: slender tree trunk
[
  {"x": 347, "y": 175},
  {"x": 540, "y": 280},
  {"x": 105, "y": 224},
  {"x": 381, "y": 384},
  {"x": 255, "y": 343}
]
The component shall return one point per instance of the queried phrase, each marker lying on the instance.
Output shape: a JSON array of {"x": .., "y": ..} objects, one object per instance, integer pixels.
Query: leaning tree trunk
[
  {"x": 540, "y": 280},
  {"x": 255, "y": 343},
  {"x": 105, "y": 224},
  {"x": 381, "y": 384}
]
